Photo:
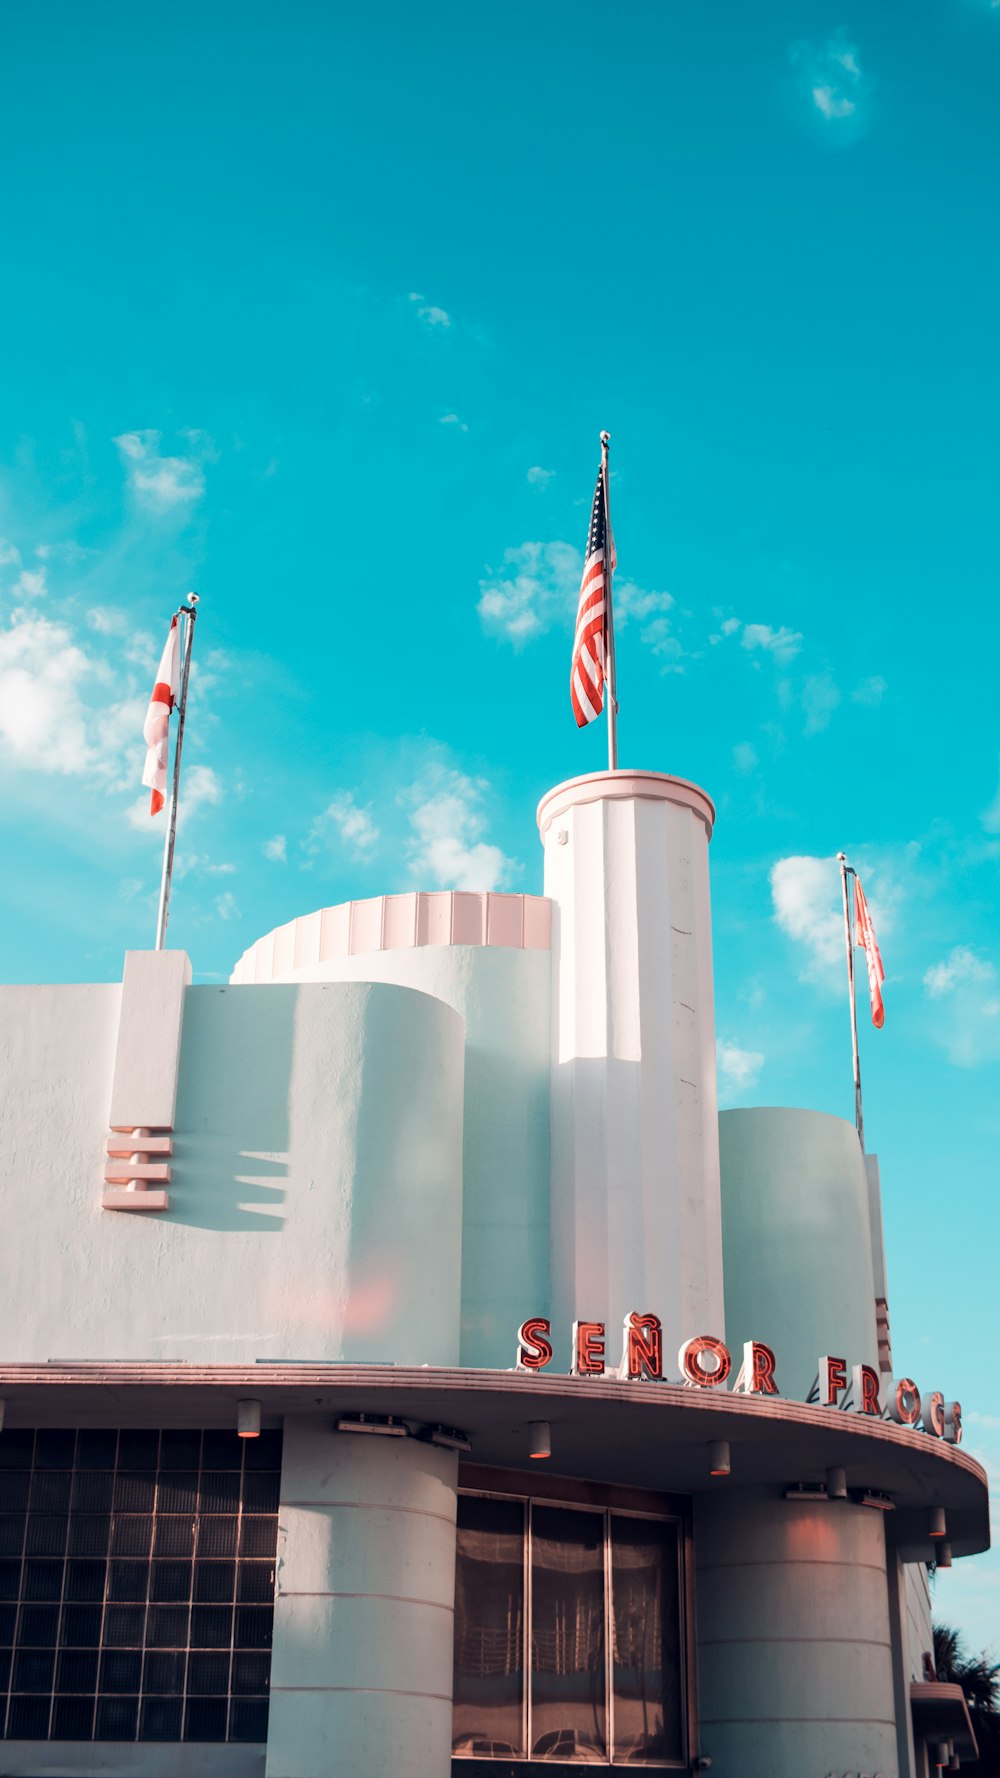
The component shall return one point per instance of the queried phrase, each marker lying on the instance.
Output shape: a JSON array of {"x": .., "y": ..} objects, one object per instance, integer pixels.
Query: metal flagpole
[
  {"x": 190, "y": 613},
  {"x": 845, "y": 871},
  {"x": 609, "y": 627}
]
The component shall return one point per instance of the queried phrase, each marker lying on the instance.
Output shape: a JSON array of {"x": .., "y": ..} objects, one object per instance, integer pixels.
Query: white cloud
[
  {"x": 537, "y": 477},
  {"x": 744, "y": 756},
  {"x": 830, "y": 74},
  {"x": 429, "y": 313},
  {"x": 990, "y": 816},
  {"x": 276, "y": 849},
  {"x": 806, "y": 894},
  {"x": 199, "y": 788},
  {"x": 453, "y": 420},
  {"x": 30, "y": 584},
  {"x": 648, "y": 609},
  {"x": 783, "y": 644},
  {"x": 44, "y": 675},
  {"x": 10, "y": 555},
  {"x": 225, "y": 906},
  {"x": 739, "y": 1069},
  {"x": 820, "y": 698},
  {"x": 538, "y": 584},
  {"x": 960, "y": 968},
  {"x": 162, "y": 482},
  {"x": 447, "y": 823},
  {"x": 343, "y": 818},
  {"x": 870, "y": 691},
  {"x": 730, "y": 627},
  {"x": 967, "y": 1018}
]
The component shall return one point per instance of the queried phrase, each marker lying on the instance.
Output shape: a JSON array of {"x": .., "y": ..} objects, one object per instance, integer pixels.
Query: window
[
  {"x": 136, "y": 1584},
  {"x": 568, "y": 1635}
]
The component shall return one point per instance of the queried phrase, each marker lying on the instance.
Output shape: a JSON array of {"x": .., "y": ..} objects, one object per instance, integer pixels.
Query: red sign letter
[
  {"x": 534, "y": 1349},
  {"x": 866, "y": 1399},
  {"x": 643, "y": 1352},
  {"x": 832, "y": 1379},
  {"x": 932, "y": 1412},
  {"x": 758, "y": 1369},
  {"x": 588, "y": 1348},
  {"x": 904, "y": 1402},
  {"x": 692, "y": 1359}
]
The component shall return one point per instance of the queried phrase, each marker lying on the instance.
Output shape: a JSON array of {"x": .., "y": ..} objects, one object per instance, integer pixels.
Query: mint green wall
[
  {"x": 503, "y": 996},
  {"x": 316, "y": 1202},
  {"x": 796, "y": 1240}
]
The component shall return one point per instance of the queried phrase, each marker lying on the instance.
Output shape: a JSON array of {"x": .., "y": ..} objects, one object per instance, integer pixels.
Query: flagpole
[
  {"x": 845, "y": 870},
  {"x": 611, "y": 687},
  {"x": 190, "y": 613}
]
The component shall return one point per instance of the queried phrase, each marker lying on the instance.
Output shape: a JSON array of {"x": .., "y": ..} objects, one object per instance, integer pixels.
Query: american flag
[
  {"x": 586, "y": 684},
  {"x": 864, "y": 936}
]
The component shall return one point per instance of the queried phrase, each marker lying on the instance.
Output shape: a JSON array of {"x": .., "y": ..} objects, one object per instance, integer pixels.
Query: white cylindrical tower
[{"x": 635, "y": 1205}]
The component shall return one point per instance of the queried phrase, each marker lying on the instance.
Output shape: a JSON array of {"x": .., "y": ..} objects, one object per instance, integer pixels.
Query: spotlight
[
  {"x": 718, "y": 1456},
  {"x": 806, "y": 1491},
  {"x": 448, "y": 1437},
  {"x": 541, "y": 1438},
  {"x": 248, "y": 1419},
  {"x": 936, "y": 1523},
  {"x": 874, "y": 1497},
  {"x": 942, "y": 1554},
  {"x": 836, "y": 1484},
  {"x": 386, "y": 1428}
]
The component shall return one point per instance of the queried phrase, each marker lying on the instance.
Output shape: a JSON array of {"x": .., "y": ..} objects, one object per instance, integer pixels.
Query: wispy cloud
[
  {"x": 967, "y": 1017},
  {"x": 648, "y": 611},
  {"x": 805, "y": 893},
  {"x": 454, "y": 420},
  {"x": 447, "y": 824},
  {"x": 783, "y": 644},
  {"x": 739, "y": 1069},
  {"x": 162, "y": 483},
  {"x": 537, "y": 477},
  {"x": 226, "y": 907},
  {"x": 344, "y": 821},
  {"x": 870, "y": 691},
  {"x": 820, "y": 698},
  {"x": 745, "y": 757},
  {"x": 429, "y": 313},
  {"x": 538, "y": 584},
  {"x": 830, "y": 75},
  {"x": 960, "y": 968},
  {"x": 990, "y": 817},
  {"x": 276, "y": 849}
]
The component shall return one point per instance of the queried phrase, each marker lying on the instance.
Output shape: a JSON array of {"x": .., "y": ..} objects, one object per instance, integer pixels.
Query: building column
[
  {"x": 635, "y": 1204},
  {"x": 795, "y": 1659},
  {"x": 361, "y": 1672}
]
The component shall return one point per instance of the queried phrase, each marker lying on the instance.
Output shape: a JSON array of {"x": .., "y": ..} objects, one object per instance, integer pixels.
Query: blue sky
[{"x": 320, "y": 310}]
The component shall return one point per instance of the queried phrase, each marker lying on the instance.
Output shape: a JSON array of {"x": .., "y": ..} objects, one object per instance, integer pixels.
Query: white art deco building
[{"x": 407, "y": 1372}]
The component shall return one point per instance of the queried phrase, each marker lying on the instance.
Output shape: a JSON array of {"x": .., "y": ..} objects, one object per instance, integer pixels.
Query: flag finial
[{"x": 605, "y": 438}]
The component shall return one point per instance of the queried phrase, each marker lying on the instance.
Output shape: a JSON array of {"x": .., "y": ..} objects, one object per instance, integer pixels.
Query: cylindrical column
[
  {"x": 635, "y": 1151},
  {"x": 361, "y": 1673},
  {"x": 794, "y": 1647}
]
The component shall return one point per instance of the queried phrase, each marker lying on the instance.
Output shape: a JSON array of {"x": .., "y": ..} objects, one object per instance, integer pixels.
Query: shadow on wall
[{"x": 234, "y": 1077}]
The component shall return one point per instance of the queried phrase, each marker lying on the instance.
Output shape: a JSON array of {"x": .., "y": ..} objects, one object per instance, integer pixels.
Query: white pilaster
[{"x": 635, "y": 1203}]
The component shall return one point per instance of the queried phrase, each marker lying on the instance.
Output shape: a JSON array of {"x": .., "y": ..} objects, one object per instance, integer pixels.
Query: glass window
[
  {"x": 586, "y": 1603},
  {"x": 132, "y": 1565},
  {"x": 489, "y": 1628}
]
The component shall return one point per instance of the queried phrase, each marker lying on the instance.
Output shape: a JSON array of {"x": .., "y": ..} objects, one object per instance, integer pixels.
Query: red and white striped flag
[
  {"x": 156, "y": 728},
  {"x": 586, "y": 684},
  {"x": 864, "y": 935}
]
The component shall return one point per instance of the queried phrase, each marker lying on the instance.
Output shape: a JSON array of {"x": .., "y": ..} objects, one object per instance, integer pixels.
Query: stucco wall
[
  {"x": 316, "y": 1200},
  {"x": 796, "y": 1238},
  {"x": 502, "y": 995}
]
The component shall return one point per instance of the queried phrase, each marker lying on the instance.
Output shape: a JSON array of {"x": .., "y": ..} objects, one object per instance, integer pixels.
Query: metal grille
[{"x": 136, "y": 1584}]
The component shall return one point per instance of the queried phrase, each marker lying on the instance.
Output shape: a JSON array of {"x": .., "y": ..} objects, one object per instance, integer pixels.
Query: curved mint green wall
[
  {"x": 796, "y": 1240},
  {"x": 503, "y": 996},
  {"x": 316, "y": 1199}
]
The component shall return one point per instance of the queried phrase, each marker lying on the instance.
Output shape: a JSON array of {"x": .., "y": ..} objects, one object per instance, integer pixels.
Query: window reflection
[
  {"x": 645, "y": 1641},
  {"x": 568, "y": 1703},
  {"x": 603, "y": 1599},
  {"x": 488, "y": 1720}
]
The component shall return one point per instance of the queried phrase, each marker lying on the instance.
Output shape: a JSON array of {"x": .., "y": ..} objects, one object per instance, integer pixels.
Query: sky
[{"x": 320, "y": 310}]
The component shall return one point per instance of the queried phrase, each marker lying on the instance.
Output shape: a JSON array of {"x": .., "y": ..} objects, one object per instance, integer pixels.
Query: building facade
[{"x": 406, "y": 1370}]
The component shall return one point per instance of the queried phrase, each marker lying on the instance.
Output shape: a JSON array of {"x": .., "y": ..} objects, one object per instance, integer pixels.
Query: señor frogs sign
[{"x": 705, "y": 1362}]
